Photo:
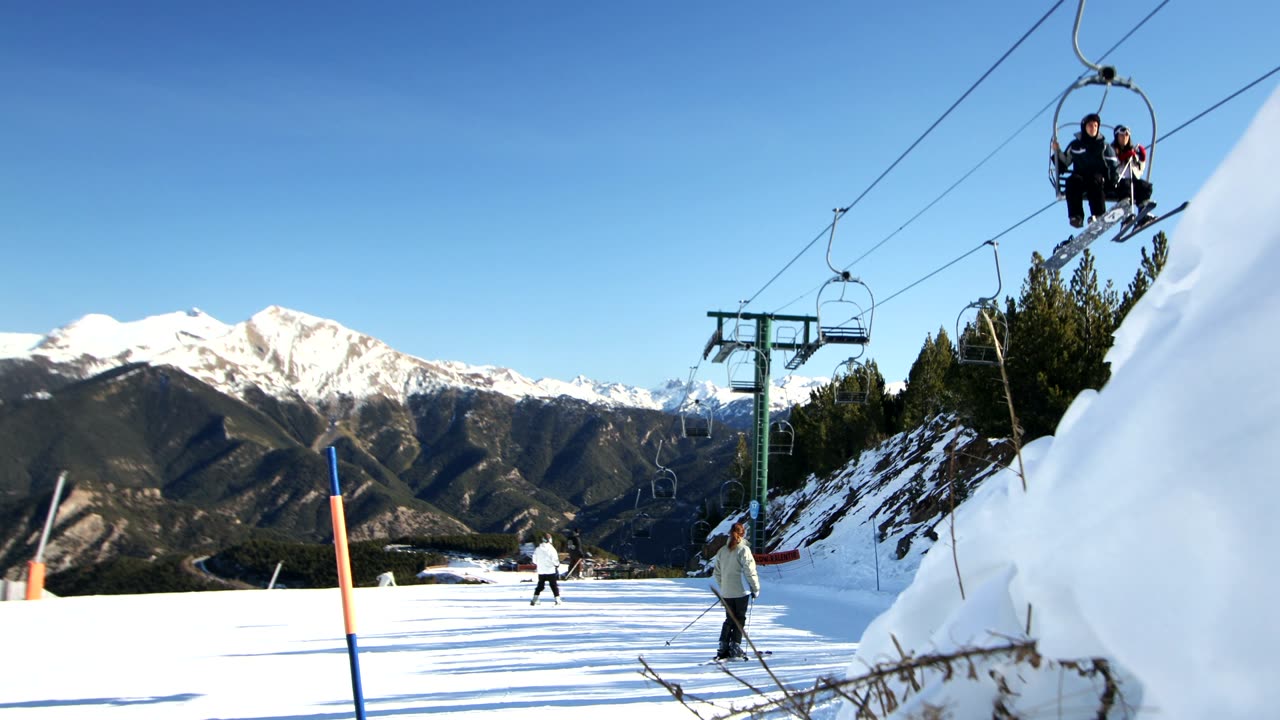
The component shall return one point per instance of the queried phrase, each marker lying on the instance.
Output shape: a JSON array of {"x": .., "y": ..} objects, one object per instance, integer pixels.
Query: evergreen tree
[
  {"x": 1148, "y": 269},
  {"x": 1045, "y": 340},
  {"x": 927, "y": 390}
]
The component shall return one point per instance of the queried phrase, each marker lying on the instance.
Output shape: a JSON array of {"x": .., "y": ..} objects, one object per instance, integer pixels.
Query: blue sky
[{"x": 568, "y": 188}]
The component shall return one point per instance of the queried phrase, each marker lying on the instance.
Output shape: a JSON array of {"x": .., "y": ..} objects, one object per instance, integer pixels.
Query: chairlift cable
[
  {"x": 984, "y": 160},
  {"x": 903, "y": 156},
  {"x": 1213, "y": 107},
  {"x": 1216, "y": 105}
]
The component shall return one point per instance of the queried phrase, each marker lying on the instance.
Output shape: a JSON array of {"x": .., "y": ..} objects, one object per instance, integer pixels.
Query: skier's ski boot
[
  {"x": 534, "y": 601},
  {"x": 557, "y": 599}
]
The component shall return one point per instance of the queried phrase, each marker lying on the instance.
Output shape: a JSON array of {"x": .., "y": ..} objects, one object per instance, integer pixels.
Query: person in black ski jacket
[
  {"x": 735, "y": 574},
  {"x": 577, "y": 554},
  {"x": 1093, "y": 166}
]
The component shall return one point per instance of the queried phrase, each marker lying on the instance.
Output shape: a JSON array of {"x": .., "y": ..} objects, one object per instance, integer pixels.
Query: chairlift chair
[
  {"x": 696, "y": 423},
  {"x": 744, "y": 376},
  {"x": 782, "y": 437},
  {"x": 642, "y": 526},
  {"x": 852, "y": 382},
  {"x": 975, "y": 343},
  {"x": 836, "y": 306},
  {"x": 663, "y": 485},
  {"x": 678, "y": 557},
  {"x": 1106, "y": 76},
  {"x": 733, "y": 497},
  {"x": 698, "y": 532}
]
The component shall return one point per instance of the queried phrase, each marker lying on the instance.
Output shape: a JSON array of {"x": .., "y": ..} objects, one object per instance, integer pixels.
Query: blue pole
[{"x": 344, "y": 580}]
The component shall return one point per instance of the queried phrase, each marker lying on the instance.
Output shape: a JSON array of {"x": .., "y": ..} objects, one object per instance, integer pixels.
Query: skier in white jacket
[
  {"x": 735, "y": 574},
  {"x": 547, "y": 561}
]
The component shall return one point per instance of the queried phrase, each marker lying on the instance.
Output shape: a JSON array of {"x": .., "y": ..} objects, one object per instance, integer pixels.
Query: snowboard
[{"x": 1074, "y": 245}]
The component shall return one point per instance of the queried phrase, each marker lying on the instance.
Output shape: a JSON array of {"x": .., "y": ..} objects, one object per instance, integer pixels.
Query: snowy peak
[{"x": 291, "y": 354}]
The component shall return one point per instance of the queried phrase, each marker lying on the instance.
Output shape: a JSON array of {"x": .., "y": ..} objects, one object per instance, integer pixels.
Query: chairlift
[
  {"x": 852, "y": 382},
  {"x": 698, "y": 532},
  {"x": 836, "y": 300},
  {"x": 976, "y": 344},
  {"x": 744, "y": 333},
  {"x": 696, "y": 422},
  {"x": 1104, "y": 75},
  {"x": 678, "y": 557},
  {"x": 782, "y": 437},
  {"x": 733, "y": 498},
  {"x": 662, "y": 485},
  {"x": 642, "y": 526},
  {"x": 744, "y": 369}
]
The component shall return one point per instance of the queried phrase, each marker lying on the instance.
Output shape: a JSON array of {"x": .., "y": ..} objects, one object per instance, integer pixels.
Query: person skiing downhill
[
  {"x": 1093, "y": 166},
  {"x": 547, "y": 562},
  {"x": 735, "y": 574}
]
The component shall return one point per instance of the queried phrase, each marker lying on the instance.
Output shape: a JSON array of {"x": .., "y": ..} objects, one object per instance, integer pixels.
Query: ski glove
[{"x": 755, "y": 594}]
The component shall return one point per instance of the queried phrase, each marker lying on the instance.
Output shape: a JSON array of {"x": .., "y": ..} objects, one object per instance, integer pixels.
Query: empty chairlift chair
[
  {"x": 982, "y": 334},
  {"x": 695, "y": 420},
  {"x": 851, "y": 382},
  {"x": 782, "y": 437}
]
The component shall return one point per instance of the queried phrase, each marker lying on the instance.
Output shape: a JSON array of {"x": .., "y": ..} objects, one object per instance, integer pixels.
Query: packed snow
[{"x": 1144, "y": 533}]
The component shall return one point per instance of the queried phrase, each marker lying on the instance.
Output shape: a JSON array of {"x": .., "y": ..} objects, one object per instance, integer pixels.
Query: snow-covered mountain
[{"x": 291, "y": 354}]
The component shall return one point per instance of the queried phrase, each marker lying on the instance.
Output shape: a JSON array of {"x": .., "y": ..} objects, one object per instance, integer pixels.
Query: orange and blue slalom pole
[
  {"x": 344, "y": 580},
  {"x": 35, "y": 568}
]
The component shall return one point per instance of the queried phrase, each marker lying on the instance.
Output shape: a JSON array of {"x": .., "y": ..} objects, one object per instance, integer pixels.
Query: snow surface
[
  {"x": 1145, "y": 533},
  {"x": 446, "y": 650}
]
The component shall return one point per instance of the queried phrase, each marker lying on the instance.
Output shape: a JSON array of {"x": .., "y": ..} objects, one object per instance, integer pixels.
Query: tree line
[{"x": 1054, "y": 337}]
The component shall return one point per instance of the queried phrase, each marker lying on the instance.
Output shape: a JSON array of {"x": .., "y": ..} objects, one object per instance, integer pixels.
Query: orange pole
[
  {"x": 35, "y": 580},
  {"x": 344, "y": 562},
  {"x": 344, "y": 580}
]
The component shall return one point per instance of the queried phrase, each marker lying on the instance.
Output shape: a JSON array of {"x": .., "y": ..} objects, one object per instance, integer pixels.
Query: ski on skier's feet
[
  {"x": 739, "y": 658},
  {"x": 1144, "y": 222}
]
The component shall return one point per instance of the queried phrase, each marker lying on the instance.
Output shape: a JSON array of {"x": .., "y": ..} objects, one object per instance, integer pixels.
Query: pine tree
[
  {"x": 1148, "y": 270},
  {"x": 927, "y": 390},
  {"x": 1095, "y": 312}
]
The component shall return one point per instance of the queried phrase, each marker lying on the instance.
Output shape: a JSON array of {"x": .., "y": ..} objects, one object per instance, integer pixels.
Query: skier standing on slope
[
  {"x": 547, "y": 561},
  {"x": 735, "y": 574}
]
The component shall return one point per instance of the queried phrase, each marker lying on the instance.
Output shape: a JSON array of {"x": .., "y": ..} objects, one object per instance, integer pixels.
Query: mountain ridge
[{"x": 297, "y": 356}]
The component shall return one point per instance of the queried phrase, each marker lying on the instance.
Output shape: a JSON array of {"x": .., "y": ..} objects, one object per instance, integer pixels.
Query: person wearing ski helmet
[
  {"x": 735, "y": 574},
  {"x": 1132, "y": 161},
  {"x": 1093, "y": 166},
  {"x": 547, "y": 561}
]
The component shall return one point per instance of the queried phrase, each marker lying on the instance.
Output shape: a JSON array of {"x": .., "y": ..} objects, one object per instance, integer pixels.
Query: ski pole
[{"x": 686, "y": 627}]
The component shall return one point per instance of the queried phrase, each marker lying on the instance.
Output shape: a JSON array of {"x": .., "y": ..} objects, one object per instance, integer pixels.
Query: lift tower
[{"x": 760, "y": 346}]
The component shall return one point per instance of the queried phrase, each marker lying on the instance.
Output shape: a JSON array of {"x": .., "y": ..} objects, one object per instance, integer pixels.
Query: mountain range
[
  {"x": 292, "y": 355},
  {"x": 180, "y": 433}
]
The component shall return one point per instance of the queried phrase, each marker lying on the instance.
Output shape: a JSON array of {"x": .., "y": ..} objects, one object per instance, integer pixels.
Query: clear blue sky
[{"x": 567, "y": 188}]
